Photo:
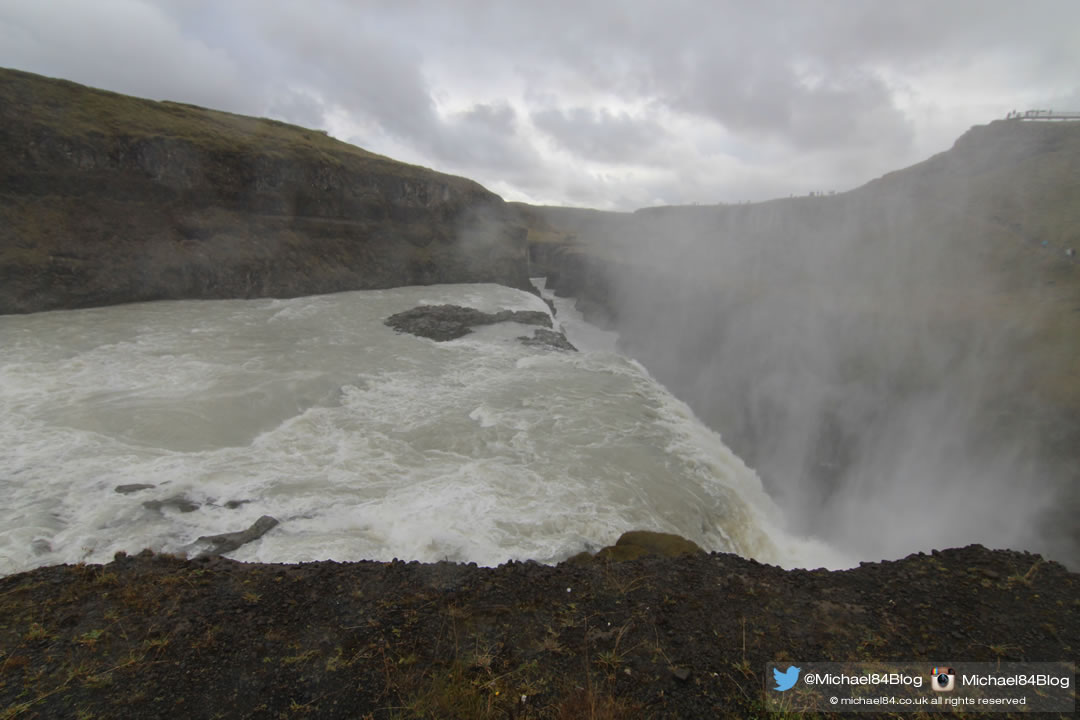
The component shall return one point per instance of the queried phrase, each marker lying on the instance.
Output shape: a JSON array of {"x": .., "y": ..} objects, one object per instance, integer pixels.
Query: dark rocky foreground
[
  {"x": 110, "y": 199},
  {"x": 683, "y": 637}
]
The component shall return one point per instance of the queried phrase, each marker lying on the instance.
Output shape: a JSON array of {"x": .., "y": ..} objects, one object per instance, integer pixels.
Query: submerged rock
[
  {"x": 179, "y": 502},
  {"x": 133, "y": 487},
  {"x": 227, "y": 542},
  {"x": 40, "y": 546},
  {"x": 548, "y": 338},
  {"x": 447, "y": 322}
]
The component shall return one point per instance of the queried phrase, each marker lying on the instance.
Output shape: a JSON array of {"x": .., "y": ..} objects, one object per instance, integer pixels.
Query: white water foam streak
[{"x": 365, "y": 443}]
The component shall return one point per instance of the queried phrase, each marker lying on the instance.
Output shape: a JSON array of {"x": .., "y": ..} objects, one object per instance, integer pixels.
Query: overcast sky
[{"x": 617, "y": 104}]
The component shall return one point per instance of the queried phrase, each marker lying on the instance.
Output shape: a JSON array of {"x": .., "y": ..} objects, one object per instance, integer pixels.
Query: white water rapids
[{"x": 364, "y": 443}]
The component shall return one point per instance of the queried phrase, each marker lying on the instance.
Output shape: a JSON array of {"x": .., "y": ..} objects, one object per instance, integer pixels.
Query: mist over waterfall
[{"x": 894, "y": 362}]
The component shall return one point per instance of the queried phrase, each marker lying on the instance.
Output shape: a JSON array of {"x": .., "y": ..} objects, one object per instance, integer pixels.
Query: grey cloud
[
  {"x": 815, "y": 80},
  {"x": 485, "y": 137},
  {"x": 348, "y": 59},
  {"x": 732, "y": 64},
  {"x": 860, "y": 112},
  {"x": 1069, "y": 101},
  {"x": 125, "y": 46},
  {"x": 600, "y": 134},
  {"x": 359, "y": 62},
  {"x": 299, "y": 108}
]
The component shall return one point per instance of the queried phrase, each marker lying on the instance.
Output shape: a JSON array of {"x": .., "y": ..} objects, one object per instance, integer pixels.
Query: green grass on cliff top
[{"x": 77, "y": 111}]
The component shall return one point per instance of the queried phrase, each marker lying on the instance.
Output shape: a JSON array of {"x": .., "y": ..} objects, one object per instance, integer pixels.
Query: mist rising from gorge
[{"x": 880, "y": 357}]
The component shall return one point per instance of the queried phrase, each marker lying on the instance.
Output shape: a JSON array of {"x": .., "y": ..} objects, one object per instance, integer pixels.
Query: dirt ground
[{"x": 153, "y": 636}]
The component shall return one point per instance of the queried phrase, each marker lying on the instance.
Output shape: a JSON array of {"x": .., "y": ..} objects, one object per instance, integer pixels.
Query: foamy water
[{"x": 364, "y": 443}]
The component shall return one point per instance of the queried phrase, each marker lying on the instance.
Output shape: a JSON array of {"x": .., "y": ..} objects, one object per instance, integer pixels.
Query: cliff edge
[
  {"x": 108, "y": 199},
  {"x": 153, "y": 636}
]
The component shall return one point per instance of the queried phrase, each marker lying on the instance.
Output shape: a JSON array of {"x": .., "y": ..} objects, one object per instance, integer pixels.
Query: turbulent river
[{"x": 364, "y": 443}]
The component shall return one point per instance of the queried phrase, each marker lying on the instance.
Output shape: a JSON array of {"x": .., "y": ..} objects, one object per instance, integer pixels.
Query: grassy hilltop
[{"x": 106, "y": 199}]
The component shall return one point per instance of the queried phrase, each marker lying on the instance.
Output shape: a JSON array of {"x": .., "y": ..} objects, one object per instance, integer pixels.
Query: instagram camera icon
[{"x": 943, "y": 679}]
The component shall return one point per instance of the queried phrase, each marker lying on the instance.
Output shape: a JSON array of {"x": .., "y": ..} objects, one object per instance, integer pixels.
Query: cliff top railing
[{"x": 1043, "y": 115}]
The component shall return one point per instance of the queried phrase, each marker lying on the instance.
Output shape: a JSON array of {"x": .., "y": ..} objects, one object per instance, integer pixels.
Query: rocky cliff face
[{"x": 109, "y": 199}]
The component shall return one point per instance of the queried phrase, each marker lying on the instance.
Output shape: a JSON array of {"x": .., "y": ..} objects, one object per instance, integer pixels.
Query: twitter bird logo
[{"x": 787, "y": 679}]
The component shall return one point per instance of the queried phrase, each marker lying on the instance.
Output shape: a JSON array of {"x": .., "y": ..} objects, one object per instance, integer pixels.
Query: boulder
[
  {"x": 640, "y": 543},
  {"x": 132, "y": 487},
  {"x": 178, "y": 502},
  {"x": 227, "y": 542}
]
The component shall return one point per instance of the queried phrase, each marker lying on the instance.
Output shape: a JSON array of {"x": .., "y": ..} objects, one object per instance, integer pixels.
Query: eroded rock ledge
[
  {"x": 153, "y": 636},
  {"x": 549, "y": 339},
  {"x": 227, "y": 542}
]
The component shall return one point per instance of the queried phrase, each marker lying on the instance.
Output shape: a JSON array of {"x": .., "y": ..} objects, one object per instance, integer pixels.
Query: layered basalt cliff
[{"x": 108, "y": 199}]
